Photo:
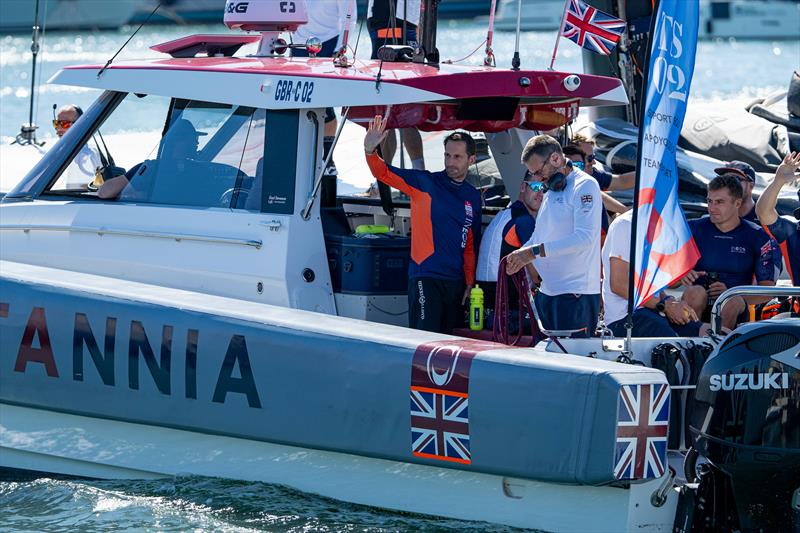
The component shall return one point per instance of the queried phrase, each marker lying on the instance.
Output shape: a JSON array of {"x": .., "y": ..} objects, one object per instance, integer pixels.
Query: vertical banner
[{"x": 662, "y": 247}]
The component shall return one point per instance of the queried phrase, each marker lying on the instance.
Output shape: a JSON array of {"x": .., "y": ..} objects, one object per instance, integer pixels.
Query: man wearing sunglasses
[
  {"x": 565, "y": 246},
  {"x": 607, "y": 181},
  {"x": 81, "y": 170},
  {"x": 508, "y": 231}
]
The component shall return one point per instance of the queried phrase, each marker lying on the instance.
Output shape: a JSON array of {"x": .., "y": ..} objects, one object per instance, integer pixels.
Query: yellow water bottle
[{"x": 476, "y": 308}]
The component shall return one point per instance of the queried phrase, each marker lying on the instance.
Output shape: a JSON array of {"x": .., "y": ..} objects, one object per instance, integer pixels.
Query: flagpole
[
  {"x": 558, "y": 37},
  {"x": 637, "y": 184}
]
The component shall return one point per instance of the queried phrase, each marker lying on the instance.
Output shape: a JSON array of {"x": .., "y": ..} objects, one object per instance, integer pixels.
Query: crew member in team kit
[
  {"x": 507, "y": 232},
  {"x": 733, "y": 252},
  {"x": 445, "y": 228},
  {"x": 783, "y": 229},
  {"x": 565, "y": 246}
]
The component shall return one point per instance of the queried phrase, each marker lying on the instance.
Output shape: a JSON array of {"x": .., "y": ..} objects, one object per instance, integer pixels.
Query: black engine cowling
[{"x": 745, "y": 421}]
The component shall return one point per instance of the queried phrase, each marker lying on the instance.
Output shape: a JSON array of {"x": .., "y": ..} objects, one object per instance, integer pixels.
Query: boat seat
[{"x": 553, "y": 333}]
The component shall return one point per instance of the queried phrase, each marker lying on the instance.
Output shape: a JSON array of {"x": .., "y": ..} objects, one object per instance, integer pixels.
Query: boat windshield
[{"x": 158, "y": 150}]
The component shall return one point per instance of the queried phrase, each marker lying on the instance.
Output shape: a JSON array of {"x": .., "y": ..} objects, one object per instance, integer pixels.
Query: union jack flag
[
  {"x": 642, "y": 420},
  {"x": 440, "y": 425},
  {"x": 590, "y": 28}
]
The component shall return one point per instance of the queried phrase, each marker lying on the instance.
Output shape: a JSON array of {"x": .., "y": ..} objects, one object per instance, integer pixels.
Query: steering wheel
[{"x": 226, "y": 197}]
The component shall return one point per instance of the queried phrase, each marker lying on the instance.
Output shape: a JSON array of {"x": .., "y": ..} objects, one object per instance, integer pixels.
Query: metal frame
[
  {"x": 27, "y": 228},
  {"x": 745, "y": 290}
]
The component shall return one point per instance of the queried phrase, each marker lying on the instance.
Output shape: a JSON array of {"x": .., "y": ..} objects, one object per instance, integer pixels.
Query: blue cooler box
[{"x": 368, "y": 265}]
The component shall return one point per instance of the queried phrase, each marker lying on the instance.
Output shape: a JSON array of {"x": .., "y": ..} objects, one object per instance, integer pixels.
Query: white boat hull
[{"x": 82, "y": 446}]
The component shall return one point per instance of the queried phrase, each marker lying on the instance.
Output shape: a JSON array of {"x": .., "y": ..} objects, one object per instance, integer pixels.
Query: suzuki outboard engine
[{"x": 745, "y": 423}]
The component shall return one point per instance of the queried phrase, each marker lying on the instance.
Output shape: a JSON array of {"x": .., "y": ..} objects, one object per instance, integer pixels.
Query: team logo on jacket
[
  {"x": 467, "y": 224},
  {"x": 586, "y": 200},
  {"x": 642, "y": 421},
  {"x": 440, "y": 399}
]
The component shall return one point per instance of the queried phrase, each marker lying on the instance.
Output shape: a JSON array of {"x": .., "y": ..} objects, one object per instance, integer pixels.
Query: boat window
[{"x": 174, "y": 152}]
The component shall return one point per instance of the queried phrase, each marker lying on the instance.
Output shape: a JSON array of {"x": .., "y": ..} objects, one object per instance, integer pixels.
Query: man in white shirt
[
  {"x": 661, "y": 315},
  {"x": 81, "y": 171},
  {"x": 565, "y": 246}
]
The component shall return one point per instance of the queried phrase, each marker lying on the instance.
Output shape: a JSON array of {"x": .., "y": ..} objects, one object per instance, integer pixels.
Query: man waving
[{"x": 445, "y": 229}]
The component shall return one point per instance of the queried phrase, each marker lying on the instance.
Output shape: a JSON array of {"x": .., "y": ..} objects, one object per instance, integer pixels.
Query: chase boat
[{"x": 220, "y": 317}]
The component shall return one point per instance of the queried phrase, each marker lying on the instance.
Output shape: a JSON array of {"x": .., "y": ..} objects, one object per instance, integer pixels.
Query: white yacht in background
[
  {"x": 739, "y": 19},
  {"x": 750, "y": 19},
  {"x": 18, "y": 15}
]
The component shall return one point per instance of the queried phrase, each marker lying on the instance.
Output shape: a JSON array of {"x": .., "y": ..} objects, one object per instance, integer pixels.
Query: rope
[
  {"x": 451, "y": 61},
  {"x": 501, "y": 311}
]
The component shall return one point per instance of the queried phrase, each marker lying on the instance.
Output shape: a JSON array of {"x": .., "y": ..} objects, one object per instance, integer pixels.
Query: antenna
[
  {"x": 153, "y": 12},
  {"x": 27, "y": 132},
  {"x": 489, "y": 59},
  {"x": 515, "y": 61}
]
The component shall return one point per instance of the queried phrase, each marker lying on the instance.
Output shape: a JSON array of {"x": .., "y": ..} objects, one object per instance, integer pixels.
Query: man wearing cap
[
  {"x": 747, "y": 177},
  {"x": 783, "y": 229},
  {"x": 177, "y": 155}
]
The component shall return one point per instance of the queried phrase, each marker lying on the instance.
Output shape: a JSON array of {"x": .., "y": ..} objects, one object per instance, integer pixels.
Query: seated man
[
  {"x": 178, "y": 153},
  {"x": 508, "y": 230},
  {"x": 733, "y": 252},
  {"x": 661, "y": 315},
  {"x": 783, "y": 229}
]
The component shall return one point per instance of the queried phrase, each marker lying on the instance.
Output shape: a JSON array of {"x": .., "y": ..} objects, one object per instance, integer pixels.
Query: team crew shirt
[
  {"x": 737, "y": 256},
  {"x": 568, "y": 224},
  {"x": 327, "y": 21},
  {"x": 786, "y": 233},
  {"x": 491, "y": 243},
  {"x": 445, "y": 221},
  {"x": 379, "y": 14}
]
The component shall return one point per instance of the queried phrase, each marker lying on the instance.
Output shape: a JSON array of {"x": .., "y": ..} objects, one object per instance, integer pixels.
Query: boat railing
[{"x": 745, "y": 290}]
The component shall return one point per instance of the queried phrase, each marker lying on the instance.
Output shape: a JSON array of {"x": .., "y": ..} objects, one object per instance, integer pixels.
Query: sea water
[{"x": 727, "y": 72}]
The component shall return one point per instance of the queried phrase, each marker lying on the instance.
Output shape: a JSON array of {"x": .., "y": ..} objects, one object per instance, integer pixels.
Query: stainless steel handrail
[
  {"x": 255, "y": 243},
  {"x": 746, "y": 290}
]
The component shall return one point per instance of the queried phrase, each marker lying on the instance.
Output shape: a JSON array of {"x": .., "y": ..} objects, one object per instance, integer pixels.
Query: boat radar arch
[{"x": 270, "y": 17}]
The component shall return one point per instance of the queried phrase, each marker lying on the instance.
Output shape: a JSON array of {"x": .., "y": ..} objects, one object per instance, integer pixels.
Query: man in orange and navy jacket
[{"x": 445, "y": 229}]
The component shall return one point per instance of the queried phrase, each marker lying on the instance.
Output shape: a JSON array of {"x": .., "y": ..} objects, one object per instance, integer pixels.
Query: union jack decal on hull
[
  {"x": 642, "y": 420},
  {"x": 440, "y": 399},
  {"x": 440, "y": 425}
]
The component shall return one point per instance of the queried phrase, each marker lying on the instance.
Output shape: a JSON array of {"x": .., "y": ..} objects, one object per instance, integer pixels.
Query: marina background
[{"x": 728, "y": 73}]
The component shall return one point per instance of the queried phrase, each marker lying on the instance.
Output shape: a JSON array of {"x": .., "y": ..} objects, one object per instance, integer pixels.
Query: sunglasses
[
  {"x": 535, "y": 186},
  {"x": 63, "y": 124}
]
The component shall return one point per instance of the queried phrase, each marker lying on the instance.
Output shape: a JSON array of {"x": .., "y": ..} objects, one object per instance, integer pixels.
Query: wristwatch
[
  {"x": 536, "y": 250},
  {"x": 661, "y": 306}
]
